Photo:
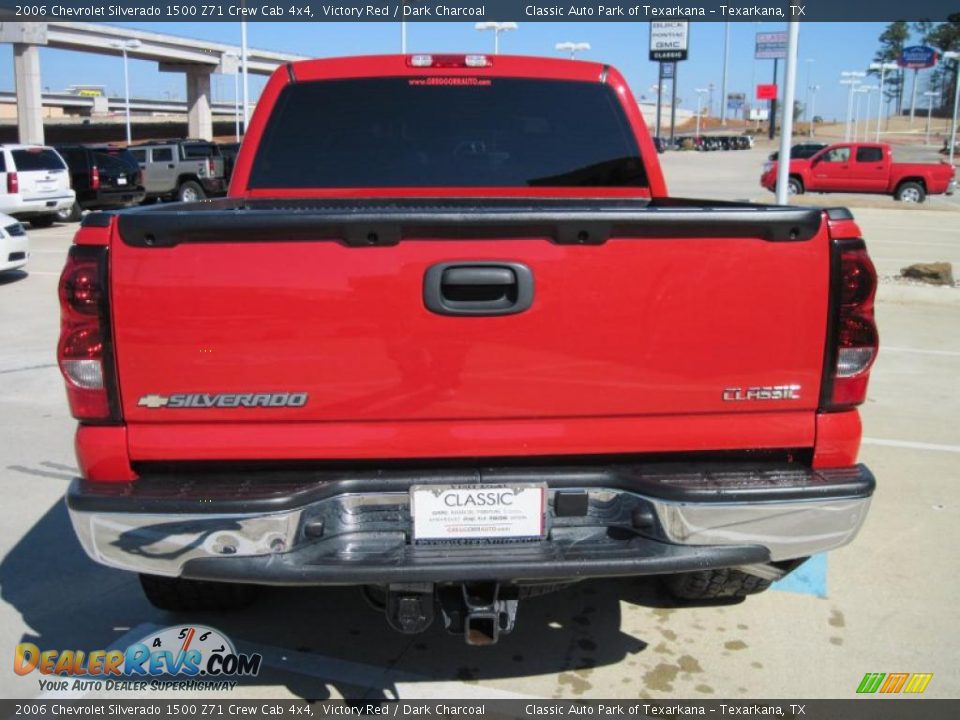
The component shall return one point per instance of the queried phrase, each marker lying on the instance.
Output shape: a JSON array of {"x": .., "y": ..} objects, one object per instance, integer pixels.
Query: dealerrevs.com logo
[{"x": 191, "y": 657}]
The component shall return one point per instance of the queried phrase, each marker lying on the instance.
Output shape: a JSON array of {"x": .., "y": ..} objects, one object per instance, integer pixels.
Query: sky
[{"x": 825, "y": 50}]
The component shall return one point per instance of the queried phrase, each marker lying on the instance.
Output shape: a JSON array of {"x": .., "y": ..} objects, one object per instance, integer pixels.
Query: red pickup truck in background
[
  {"x": 863, "y": 168},
  {"x": 449, "y": 338}
]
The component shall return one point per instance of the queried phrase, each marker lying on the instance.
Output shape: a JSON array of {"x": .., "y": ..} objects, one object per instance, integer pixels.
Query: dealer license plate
[
  {"x": 121, "y": 181},
  {"x": 478, "y": 512}
]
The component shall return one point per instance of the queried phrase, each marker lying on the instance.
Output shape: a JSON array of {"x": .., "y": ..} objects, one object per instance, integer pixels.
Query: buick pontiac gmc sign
[{"x": 668, "y": 41}]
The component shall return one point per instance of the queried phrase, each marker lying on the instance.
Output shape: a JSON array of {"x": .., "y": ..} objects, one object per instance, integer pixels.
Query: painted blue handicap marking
[{"x": 809, "y": 579}]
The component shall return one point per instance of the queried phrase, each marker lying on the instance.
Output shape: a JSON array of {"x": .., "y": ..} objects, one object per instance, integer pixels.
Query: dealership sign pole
[
  {"x": 666, "y": 73},
  {"x": 771, "y": 46},
  {"x": 916, "y": 58},
  {"x": 668, "y": 44}
]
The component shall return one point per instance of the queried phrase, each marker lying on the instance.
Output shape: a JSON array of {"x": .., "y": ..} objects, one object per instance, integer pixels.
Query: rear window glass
[
  {"x": 115, "y": 162},
  {"x": 41, "y": 159},
  {"x": 194, "y": 151},
  {"x": 162, "y": 155},
  {"x": 429, "y": 132},
  {"x": 3, "y": 162},
  {"x": 869, "y": 154},
  {"x": 74, "y": 157}
]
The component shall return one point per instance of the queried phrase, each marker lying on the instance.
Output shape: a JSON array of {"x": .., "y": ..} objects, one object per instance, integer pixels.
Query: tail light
[
  {"x": 95, "y": 178},
  {"x": 139, "y": 180},
  {"x": 85, "y": 350},
  {"x": 852, "y": 345},
  {"x": 13, "y": 183},
  {"x": 211, "y": 167}
]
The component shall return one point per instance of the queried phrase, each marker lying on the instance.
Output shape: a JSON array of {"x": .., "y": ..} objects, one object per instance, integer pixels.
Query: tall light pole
[
  {"x": 806, "y": 97},
  {"x": 882, "y": 67},
  {"x": 955, "y": 56},
  {"x": 851, "y": 79},
  {"x": 868, "y": 91},
  {"x": 403, "y": 37},
  {"x": 700, "y": 93},
  {"x": 243, "y": 67},
  {"x": 572, "y": 47},
  {"x": 789, "y": 94},
  {"x": 123, "y": 46},
  {"x": 723, "y": 82},
  {"x": 497, "y": 27},
  {"x": 929, "y": 96},
  {"x": 813, "y": 104}
]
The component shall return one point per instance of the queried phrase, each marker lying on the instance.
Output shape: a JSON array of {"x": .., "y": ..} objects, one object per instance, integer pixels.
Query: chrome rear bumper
[{"x": 328, "y": 531}]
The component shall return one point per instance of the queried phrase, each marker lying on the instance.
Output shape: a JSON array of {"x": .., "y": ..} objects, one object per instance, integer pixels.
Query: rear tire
[
  {"x": 180, "y": 595},
  {"x": 42, "y": 221},
  {"x": 720, "y": 584},
  {"x": 190, "y": 191},
  {"x": 910, "y": 192},
  {"x": 70, "y": 214}
]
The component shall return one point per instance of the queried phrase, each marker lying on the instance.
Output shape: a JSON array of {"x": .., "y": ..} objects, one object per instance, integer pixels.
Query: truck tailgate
[{"x": 704, "y": 321}]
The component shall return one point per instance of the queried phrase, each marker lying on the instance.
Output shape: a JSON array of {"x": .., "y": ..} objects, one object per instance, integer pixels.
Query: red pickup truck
[
  {"x": 449, "y": 338},
  {"x": 863, "y": 168}
]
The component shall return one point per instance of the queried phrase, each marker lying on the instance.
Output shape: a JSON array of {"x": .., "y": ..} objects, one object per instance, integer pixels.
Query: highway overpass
[
  {"x": 197, "y": 59},
  {"x": 87, "y": 106}
]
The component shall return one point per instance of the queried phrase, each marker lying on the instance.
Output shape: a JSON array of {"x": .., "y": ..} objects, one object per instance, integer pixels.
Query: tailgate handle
[{"x": 479, "y": 288}]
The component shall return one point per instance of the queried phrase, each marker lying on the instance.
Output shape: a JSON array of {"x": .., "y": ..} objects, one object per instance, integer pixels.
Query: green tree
[
  {"x": 922, "y": 28},
  {"x": 943, "y": 37},
  {"x": 892, "y": 41},
  {"x": 798, "y": 108}
]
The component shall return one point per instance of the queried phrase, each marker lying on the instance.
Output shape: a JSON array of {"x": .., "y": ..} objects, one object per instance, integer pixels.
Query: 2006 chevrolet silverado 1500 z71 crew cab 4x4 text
[{"x": 449, "y": 338}]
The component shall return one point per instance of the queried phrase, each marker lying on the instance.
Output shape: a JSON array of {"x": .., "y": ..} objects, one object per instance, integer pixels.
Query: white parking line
[
  {"x": 915, "y": 243},
  {"x": 915, "y": 228},
  {"x": 910, "y": 445},
  {"x": 913, "y": 259},
  {"x": 919, "y": 351}
]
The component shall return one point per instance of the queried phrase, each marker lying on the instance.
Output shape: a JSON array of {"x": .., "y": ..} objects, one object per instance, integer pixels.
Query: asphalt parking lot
[{"x": 886, "y": 603}]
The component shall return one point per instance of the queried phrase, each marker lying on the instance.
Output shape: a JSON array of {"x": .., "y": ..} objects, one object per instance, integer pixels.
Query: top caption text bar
[{"x": 475, "y": 10}]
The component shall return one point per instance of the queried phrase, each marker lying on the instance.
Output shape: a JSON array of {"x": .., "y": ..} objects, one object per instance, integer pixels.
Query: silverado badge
[{"x": 225, "y": 400}]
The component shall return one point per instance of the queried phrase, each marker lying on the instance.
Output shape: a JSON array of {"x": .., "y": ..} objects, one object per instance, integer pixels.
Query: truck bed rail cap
[{"x": 363, "y": 223}]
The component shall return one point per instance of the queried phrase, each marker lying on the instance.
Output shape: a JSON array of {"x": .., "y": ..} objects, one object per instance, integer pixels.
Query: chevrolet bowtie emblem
[{"x": 153, "y": 401}]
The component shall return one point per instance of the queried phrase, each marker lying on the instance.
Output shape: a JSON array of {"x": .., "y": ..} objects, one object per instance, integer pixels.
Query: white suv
[
  {"x": 14, "y": 244},
  {"x": 34, "y": 183}
]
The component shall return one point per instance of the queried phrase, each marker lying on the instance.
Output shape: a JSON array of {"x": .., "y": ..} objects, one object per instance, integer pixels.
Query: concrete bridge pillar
[
  {"x": 26, "y": 71},
  {"x": 26, "y": 39},
  {"x": 199, "y": 114}
]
